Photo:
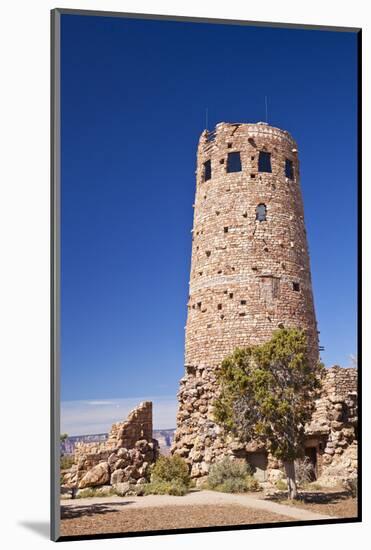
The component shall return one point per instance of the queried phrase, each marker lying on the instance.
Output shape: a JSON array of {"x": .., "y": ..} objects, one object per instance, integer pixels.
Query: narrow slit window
[
  {"x": 289, "y": 169},
  {"x": 264, "y": 162},
  {"x": 234, "y": 162},
  {"x": 261, "y": 213},
  {"x": 207, "y": 170}
]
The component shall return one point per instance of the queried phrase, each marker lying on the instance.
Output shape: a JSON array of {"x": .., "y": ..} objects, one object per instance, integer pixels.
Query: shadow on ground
[
  {"x": 73, "y": 512},
  {"x": 311, "y": 497}
]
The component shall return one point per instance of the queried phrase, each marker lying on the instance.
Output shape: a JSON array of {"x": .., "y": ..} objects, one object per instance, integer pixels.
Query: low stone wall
[{"x": 125, "y": 457}]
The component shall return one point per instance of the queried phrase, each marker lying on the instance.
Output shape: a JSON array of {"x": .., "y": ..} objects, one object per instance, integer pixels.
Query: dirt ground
[
  {"x": 100, "y": 518},
  {"x": 103, "y": 515},
  {"x": 330, "y": 503}
]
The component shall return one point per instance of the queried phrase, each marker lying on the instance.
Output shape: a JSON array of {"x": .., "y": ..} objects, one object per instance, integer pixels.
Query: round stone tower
[{"x": 250, "y": 271}]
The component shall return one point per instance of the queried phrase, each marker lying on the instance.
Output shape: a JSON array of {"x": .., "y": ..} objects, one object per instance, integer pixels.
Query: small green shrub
[
  {"x": 171, "y": 469},
  {"x": 88, "y": 492},
  {"x": 232, "y": 485},
  {"x": 66, "y": 462},
  {"x": 227, "y": 469},
  {"x": 281, "y": 485},
  {"x": 231, "y": 476},
  {"x": 174, "y": 488},
  {"x": 252, "y": 484}
]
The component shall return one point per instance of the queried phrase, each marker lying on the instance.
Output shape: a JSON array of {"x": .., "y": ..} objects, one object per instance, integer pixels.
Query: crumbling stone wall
[
  {"x": 333, "y": 430},
  {"x": 248, "y": 277},
  {"x": 124, "y": 457}
]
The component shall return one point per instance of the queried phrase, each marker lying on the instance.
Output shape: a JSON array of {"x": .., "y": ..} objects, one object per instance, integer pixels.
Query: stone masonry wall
[
  {"x": 333, "y": 430},
  {"x": 248, "y": 277},
  {"x": 243, "y": 270},
  {"x": 124, "y": 457}
]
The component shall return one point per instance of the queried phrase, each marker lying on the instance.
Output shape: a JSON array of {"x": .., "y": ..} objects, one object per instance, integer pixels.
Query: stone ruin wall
[
  {"x": 333, "y": 431},
  {"x": 125, "y": 457},
  {"x": 242, "y": 271}
]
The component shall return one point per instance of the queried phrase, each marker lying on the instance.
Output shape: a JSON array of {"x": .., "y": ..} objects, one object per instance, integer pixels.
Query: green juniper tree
[{"x": 267, "y": 393}]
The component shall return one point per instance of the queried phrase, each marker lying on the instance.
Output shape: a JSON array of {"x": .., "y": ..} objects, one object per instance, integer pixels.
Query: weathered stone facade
[
  {"x": 125, "y": 457},
  {"x": 250, "y": 270},
  {"x": 244, "y": 270},
  {"x": 332, "y": 435},
  {"x": 250, "y": 275}
]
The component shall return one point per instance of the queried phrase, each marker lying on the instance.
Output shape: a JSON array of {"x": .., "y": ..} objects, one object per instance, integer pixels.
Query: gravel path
[{"x": 197, "y": 498}]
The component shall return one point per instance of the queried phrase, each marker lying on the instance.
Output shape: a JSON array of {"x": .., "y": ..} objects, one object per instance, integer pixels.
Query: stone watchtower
[{"x": 250, "y": 271}]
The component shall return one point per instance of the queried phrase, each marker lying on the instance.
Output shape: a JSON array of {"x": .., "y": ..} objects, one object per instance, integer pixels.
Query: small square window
[
  {"x": 207, "y": 170},
  {"x": 226, "y": 230},
  {"x": 219, "y": 306},
  {"x": 234, "y": 162},
  {"x": 243, "y": 302},
  {"x": 296, "y": 287},
  {"x": 231, "y": 294},
  {"x": 264, "y": 162},
  {"x": 229, "y": 145}
]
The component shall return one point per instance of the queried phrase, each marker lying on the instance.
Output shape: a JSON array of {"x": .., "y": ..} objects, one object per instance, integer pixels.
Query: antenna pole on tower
[
  {"x": 266, "y": 109},
  {"x": 207, "y": 118}
]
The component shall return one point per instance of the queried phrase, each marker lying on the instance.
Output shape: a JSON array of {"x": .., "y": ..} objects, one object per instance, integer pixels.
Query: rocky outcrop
[{"x": 98, "y": 475}]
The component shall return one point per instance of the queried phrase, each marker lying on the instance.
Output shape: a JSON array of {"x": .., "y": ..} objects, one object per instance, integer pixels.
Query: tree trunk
[{"x": 291, "y": 481}]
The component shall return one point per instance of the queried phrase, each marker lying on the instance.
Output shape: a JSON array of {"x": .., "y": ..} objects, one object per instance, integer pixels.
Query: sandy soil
[
  {"x": 335, "y": 503},
  {"x": 156, "y": 512},
  {"x": 79, "y": 521}
]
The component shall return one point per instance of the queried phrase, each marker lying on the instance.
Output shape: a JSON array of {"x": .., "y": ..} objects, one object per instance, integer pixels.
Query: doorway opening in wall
[
  {"x": 258, "y": 462},
  {"x": 311, "y": 454}
]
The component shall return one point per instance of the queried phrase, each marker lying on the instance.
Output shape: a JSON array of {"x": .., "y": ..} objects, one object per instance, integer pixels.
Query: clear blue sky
[{"x": 134, "y": 94}]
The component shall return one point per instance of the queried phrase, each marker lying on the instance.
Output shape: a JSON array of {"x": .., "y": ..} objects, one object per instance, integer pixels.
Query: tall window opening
[
  {"x": 234, "y": 162},
  {"x": 265, "y": 162},
  {"x": 261, "y": 213},
  {"x": 207, "y": 170},
  {"x": 289, "y": 169}
]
